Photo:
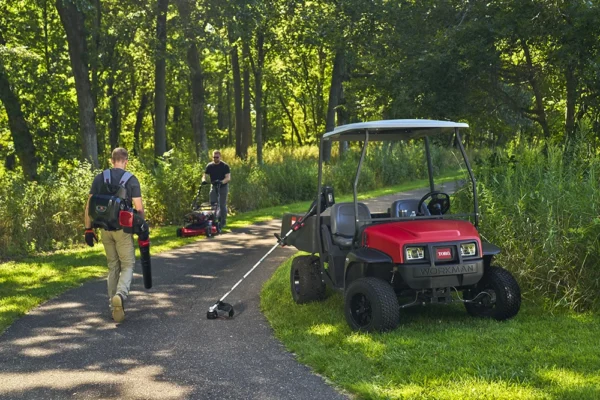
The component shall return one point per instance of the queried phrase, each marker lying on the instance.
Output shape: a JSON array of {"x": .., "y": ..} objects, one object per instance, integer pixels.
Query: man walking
[
  {"x": 218, "y": 171},
  {"x": 118, "y": 244}
]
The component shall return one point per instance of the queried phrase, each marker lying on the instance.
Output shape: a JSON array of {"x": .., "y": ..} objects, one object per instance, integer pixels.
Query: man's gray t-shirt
[{"x": 132, "y": 185}]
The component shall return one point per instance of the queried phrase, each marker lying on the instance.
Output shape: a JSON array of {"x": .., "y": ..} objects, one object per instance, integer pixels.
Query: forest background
[{"x": 264, "y": 79}]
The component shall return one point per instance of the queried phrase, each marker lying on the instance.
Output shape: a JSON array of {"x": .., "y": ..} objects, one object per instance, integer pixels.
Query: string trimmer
[{"x": 221, "y": 309}]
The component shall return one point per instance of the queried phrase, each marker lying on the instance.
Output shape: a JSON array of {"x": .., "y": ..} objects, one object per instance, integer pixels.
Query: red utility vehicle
[{"x": 414, "y": 254}]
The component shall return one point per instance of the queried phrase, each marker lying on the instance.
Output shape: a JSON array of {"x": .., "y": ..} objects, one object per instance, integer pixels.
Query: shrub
[
  {"x": 543, "y": 212},
  {"x": 49, "y": 215}
]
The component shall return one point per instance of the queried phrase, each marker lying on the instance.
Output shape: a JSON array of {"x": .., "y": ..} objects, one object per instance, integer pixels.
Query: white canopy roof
[{"x": 392, "y": 129}]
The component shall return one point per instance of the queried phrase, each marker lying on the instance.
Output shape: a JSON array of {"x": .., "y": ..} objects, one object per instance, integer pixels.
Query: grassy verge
[
  {"x": 439, "y": 352},
  {"x": 27, "y": 283}
]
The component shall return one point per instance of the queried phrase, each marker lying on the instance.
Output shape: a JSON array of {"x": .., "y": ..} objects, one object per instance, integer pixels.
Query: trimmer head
[{"x": 220, "y": 310}]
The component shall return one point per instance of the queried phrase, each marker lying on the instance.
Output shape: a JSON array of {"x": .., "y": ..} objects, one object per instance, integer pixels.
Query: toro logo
[
  {"x": 101, "y": 209},
  {"x": 444, "y": 254}
]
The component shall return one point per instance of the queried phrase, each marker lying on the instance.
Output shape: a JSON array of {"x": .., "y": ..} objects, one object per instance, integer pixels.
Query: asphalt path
[{"x": 166, "y": 348}]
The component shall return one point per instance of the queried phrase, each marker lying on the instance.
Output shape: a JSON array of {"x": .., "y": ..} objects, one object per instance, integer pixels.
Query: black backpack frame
[{"x": 111, "y": 209}]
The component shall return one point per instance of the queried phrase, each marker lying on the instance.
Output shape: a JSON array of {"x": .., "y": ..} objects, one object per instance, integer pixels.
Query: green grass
[
  {"x": 28, "y": 282},
  {"x": 439, "y": 352}
]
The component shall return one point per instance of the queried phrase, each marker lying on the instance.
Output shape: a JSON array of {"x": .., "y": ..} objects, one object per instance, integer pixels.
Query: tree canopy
[{"x": 80, "y": 77}]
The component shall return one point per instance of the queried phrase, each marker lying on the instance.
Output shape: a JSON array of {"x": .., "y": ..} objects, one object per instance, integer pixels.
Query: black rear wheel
[
  {"x": 305, "y": 280},
  {"x": 179, "y": 232},
  {"x": 496, "y": 296},
  {"x": 371, "y": 305}
]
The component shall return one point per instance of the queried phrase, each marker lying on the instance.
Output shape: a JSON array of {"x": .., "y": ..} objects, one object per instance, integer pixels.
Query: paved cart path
[{"x": 166, "y": 348}]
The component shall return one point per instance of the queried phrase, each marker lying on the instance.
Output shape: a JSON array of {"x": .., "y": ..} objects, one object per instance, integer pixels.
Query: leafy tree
[{"x": 73, "y": 19}]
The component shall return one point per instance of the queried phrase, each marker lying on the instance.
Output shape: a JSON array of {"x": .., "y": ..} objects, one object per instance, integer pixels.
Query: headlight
[
  {"x": 468, "y": 249},
  {"x": 415, "y": 253}
]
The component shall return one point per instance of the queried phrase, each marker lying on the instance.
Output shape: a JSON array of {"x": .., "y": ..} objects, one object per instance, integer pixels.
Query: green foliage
[
  {"x": 542, "y": 210},
  {"x": 43, "y": 216},
  {"x": 440, "y": 352},
  {"x": 48, "y": 215}
]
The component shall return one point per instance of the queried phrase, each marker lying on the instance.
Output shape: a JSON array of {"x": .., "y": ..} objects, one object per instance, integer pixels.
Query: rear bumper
[{"x": 427, "y": 276}]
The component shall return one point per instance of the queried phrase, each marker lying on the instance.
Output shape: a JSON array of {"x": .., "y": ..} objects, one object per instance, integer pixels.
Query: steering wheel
[{"x": 439, "y": 203}]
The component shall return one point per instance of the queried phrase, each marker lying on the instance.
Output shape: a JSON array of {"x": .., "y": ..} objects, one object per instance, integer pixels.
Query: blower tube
[
  {"x": 142, "y": 230},
  {"x": 146, "y": 264}
]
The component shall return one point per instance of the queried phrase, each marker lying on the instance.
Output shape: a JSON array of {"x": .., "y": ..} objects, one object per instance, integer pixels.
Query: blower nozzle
[{"x": 146, "y": 262}]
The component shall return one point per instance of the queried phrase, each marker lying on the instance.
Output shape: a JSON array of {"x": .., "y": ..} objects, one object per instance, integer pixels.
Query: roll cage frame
[{"x": 392, "y": 130}]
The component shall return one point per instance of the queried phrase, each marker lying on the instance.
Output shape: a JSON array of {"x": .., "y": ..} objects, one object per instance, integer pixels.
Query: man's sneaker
[{"x": 118, "y": 310}]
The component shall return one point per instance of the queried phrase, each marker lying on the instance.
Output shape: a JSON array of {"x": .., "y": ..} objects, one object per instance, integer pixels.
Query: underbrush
[
  {"x": 542, "y": 210},
  {"x": 48, "y": 215}
]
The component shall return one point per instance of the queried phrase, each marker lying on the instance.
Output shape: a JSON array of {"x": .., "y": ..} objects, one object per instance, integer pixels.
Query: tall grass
[
  {"x": 48, "y": 215},
  {"x": 542, "y": 209}
]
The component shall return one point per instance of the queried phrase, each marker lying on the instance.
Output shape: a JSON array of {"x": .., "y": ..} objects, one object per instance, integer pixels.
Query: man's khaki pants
[{"x": 120, "y": 255}]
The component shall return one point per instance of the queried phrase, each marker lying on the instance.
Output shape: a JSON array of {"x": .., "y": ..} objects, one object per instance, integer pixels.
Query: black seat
[
  {"x": 342, "y": 222},
  {"x": 409, "y": 205}
]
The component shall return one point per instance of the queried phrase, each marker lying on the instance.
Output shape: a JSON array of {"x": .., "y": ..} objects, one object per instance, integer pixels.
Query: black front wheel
[
  {"x": 370, "y": 304},
  {"x": 305, "y": 280},
  {"x": 496, "y": 296}
]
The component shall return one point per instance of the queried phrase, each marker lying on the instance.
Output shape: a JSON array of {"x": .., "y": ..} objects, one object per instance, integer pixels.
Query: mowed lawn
[{"x": 439, "y": 352}]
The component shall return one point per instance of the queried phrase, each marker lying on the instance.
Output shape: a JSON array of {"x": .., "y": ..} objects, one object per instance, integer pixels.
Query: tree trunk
[
  {"x": 342, "y": 119},
  {"x": 247, "y": 123},
  {"x": 95, "y": 56},
  {"x": 237, "y": 100},
  {"x": 537, "y": 92},
  {"x": 337, "y": 77},
  {"x": 115, "y": 121},
  {"x": 139, "y": 119},
  {"x": 291, "y": 118},
  {"x": 196, "y": 79},
  {"x": 260, "y": 60},
  {"x": 198, "y": 122},
  {"x": 21, "y": 136},
  {"x": 46, "y": 46},
  {"x": 320, "y": 109},
  {"x": 160, "y": 96},
  {"x": 571, "y": 86},
  {"x": 228, "y": 100},
  {"x": 73, "y": 22},
  {"x": 265, "y": 119}
]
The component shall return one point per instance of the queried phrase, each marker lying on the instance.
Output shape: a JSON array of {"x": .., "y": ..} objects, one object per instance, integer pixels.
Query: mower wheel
[
  {"x": 496, "y": 296},
  {"x": 370, "y": 304},
  {"x": 179, "y": 232},
  {"x": 305, "y": 280}
]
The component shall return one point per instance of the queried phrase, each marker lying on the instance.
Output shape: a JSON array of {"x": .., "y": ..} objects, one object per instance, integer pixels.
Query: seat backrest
[
  {"x": 342, "y": 221},
  {"x": 409, "y": 205}
]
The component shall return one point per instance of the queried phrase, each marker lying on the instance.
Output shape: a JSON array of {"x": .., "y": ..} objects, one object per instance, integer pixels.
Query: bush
[
  {"x": 48, "y": 215},
  {"x": 543, "y": 212},
  {"x": 43, "y": 216}
]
